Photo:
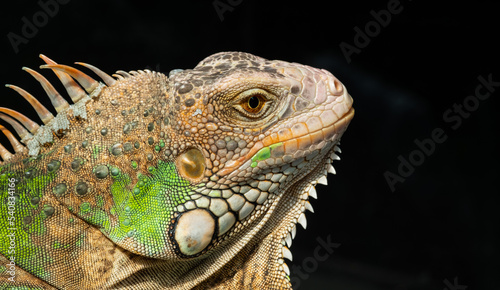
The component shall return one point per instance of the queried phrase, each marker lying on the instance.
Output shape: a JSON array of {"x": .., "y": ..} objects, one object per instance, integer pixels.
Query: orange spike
[
  {"x": 104, "y": 76},
  {"x": 13, "y": 141},
  {"x": 88, "y": 83},
  {"x": 4, "y": 153},
  {"x": 75, "y": 92},
  {"x": 25, "y": 121},
  {"x": 57, "y": 100},
  {"x": 44, "y": 114},
  {"x": 20, "y": 130}
]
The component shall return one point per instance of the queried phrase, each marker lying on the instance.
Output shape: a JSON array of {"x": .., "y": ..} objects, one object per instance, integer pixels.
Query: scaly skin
[{"x": 192, "y": 181}]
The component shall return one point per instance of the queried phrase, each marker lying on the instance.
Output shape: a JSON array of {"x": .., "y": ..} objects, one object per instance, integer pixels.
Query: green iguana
[{"x": 192, "y": 180}]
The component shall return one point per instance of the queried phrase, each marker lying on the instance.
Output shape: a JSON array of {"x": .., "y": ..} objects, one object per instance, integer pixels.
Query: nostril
[{"x": 335, "y": 86}]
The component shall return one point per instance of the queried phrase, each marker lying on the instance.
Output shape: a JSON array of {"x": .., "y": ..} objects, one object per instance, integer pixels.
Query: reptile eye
[{"x": 253, "y": 104}]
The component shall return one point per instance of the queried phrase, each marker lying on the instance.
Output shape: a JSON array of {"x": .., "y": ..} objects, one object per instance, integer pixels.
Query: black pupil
[{"x": 253, "y": 102}]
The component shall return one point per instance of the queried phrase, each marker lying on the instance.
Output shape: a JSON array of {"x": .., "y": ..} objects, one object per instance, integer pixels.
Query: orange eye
[{"x": 253, "y": 104}]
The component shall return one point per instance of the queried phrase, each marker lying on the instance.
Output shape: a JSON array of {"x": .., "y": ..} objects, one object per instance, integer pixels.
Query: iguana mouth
[{"x": 307, "y": 134}]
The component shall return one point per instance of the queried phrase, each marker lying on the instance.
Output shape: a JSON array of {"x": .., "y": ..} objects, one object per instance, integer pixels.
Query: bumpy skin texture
[{"x": 195, "y": 180}]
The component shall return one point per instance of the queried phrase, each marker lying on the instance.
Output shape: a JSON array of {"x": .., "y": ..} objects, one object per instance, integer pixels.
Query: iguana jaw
[{"x": 295, "y": 197}]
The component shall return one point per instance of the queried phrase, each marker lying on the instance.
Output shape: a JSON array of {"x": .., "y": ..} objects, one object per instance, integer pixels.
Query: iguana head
[
  {"x": 207, "y": 170},
  {"x": 261, "y": 134}
]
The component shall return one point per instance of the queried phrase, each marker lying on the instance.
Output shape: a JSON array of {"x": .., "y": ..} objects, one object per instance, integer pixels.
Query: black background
[{"x": 441, "y": 223}]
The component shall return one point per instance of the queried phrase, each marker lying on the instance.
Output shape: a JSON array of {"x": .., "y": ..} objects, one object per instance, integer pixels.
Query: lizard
[{"x": 191, "y": 180}]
